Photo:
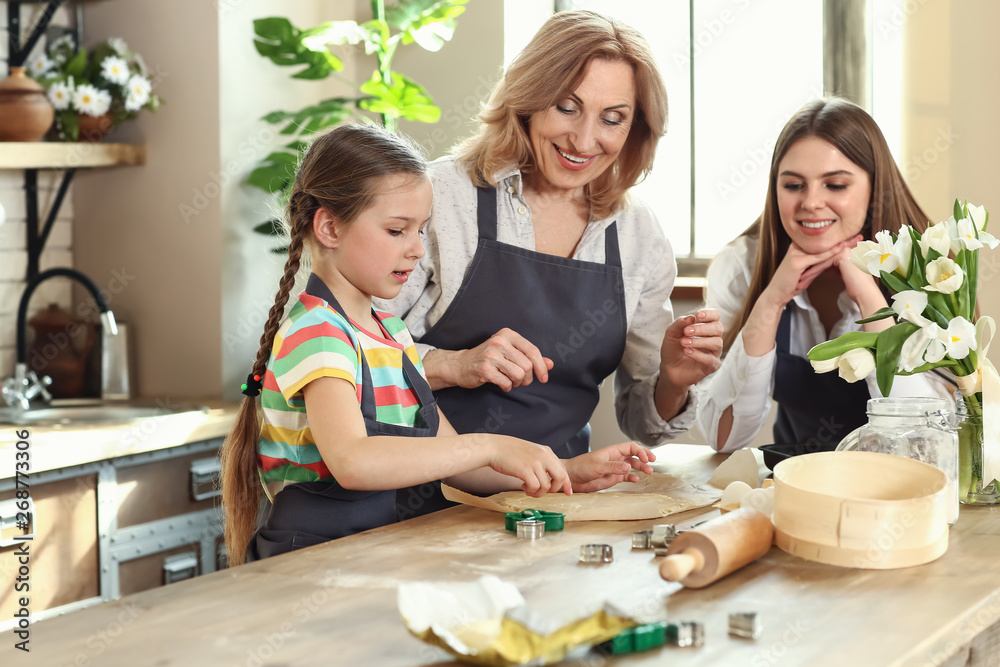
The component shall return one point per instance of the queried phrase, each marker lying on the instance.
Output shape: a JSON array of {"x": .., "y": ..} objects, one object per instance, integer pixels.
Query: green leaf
[
  {"x": 848, "y": 341},
  {"x": 959, "y": 210},
  {"x": 917, "y": 275},
  {"x": 880, "y": 314},
  {"x": 77, "y": 65},
  {"x": 333, "y": 32},
  {"x": 270, "y": 228},
  {"x": 281, "y": 42},
  {"x": 414, "y": 14},
  {"x": 890, "y": 343},
  {"x": 966, "y": 292},
  {"x": 275, "y": 173},
  {"x": 893, "y": 282},
  {"x": 403, "y": 98},
  {"x": 944, "y": 363}
]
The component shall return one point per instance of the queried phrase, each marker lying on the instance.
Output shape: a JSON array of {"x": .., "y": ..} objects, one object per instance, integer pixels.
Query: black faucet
[{"x": 25, "y": 384}]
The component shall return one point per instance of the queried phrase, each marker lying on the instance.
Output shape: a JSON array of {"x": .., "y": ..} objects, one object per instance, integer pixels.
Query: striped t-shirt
[{"x": 316, "y": 341}]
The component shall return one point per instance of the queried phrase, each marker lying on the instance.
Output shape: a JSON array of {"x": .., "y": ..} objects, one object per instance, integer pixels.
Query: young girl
[
  {"x": 788, "y": 284},
  {"x": 348, "y": 417}
]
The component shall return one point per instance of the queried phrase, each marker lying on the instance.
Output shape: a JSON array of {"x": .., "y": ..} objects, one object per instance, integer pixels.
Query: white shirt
[
  {"x": 648, "y": 265},
  {"x": 746, "y": 383}
]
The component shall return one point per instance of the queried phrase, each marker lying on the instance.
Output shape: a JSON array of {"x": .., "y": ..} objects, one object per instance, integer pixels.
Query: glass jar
[
  {"x": 973, "y": 489},
  {"x": 917, "y": 428}
]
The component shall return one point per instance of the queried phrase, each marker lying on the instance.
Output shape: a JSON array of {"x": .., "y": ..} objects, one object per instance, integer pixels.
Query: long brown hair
[
  {"x": 343, "y": 172},
  {"x": 550, "y": 66},
  {"x": 854, "y": 133}
]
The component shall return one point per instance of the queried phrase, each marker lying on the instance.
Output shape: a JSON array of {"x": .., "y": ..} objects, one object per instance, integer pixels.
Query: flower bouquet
[
  {"x": 93, "y": 92},
  {"x": 933, "y": 277}
]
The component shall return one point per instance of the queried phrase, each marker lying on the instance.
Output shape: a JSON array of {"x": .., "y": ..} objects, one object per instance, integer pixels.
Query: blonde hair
[
  {"x": 343, "y": 171},
  {"x": 550, "y": 66},
  {"x": 855, "y": 134}
]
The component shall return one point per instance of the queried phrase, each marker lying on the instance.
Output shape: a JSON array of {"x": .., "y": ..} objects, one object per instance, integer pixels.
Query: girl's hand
[
  {"x": 538, "y": 468},
  {"x": 608, "y": 466},
  {"x": 507, "y": 359},
  {"x": 691, "y": 349}
]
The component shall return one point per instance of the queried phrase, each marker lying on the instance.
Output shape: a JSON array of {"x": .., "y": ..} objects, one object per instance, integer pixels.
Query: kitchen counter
[
  {"x": 62, "y": 446},
  {"x": 335, "y": 604}
]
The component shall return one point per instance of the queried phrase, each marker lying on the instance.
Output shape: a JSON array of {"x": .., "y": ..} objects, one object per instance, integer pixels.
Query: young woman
[
  {"x": 348, "y": 417},
  {"x": 788, "y": 283}
]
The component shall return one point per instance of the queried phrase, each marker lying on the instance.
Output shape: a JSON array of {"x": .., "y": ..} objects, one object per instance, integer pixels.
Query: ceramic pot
[
  {"x": 25, "y": 112},
  {"x": 58, "y": 351},
  {"x": 94, "y": 128}
]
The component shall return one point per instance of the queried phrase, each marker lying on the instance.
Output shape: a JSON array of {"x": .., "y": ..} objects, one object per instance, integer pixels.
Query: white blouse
[
  {"x": 647, "y": 262},
  {"x": 746, "y": 383}
]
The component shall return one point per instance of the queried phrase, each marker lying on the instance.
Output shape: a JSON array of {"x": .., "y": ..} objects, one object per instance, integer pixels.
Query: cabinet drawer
[
  {"x": 157, "y": 490},
  {"x": 63, "y": 557}
]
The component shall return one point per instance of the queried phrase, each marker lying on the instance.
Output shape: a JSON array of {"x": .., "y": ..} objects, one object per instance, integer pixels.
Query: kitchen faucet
[{"x": 26, "y": 385}]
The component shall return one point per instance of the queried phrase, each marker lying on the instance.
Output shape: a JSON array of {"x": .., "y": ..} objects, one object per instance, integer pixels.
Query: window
[{"x": 749, "y": 66}]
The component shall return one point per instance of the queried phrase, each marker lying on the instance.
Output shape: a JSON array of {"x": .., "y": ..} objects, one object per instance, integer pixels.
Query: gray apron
[
  {"x": 309, "y": 513},
  {"x": 817, "y": 409},
  {"x": 573, "y": 311}
]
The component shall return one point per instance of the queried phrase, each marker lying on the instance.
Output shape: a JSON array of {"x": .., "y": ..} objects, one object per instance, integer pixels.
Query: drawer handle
[{"x": 205, "y": 478}]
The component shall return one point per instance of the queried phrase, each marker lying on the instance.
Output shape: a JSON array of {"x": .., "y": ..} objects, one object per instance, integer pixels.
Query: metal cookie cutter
[
  {"x": 653, "y": 635},
  {"x": 745, "y": 624},
  {"x": 553, "y": 520},
  {"x": 642, "y": 539},
  {"x": 596, "y": 553},
  {"x": 530, "y": 529},
  {"x": 662, "y": 535}
]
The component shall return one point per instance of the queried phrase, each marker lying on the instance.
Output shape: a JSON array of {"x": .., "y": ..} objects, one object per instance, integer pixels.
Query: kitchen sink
[{"x": 93, "y": 412}]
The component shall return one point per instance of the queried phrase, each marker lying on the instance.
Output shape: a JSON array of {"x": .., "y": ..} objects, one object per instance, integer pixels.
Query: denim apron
[
  {"x": 309, "y": 513},
  {"x": 818, "y": 409}
]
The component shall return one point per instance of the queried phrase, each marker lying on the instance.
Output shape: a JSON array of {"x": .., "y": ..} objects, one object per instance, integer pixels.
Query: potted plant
[{"x": 93, "y": 92}]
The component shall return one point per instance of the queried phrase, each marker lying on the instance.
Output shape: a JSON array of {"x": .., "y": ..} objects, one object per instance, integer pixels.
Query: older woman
[{"x": 541, "y": 277}]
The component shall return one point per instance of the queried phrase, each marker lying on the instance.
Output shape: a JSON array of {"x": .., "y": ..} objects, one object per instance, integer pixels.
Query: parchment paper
[{"x": 652, "y": 497}]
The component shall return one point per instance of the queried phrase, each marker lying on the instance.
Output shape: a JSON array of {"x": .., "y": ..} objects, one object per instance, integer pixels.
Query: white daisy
[
  {"x": 61, "y": 94},
  {"x": 91, "y": 101},
  {"x": 118, "y": 45},
  {"x": 39, "y": 65},
  {"x": 115, "y": 70},
  {"x": 139, "y": 89}
]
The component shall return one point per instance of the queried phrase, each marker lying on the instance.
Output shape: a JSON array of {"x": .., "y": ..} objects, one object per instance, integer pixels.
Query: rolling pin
[{"x": 699, "y": 557}]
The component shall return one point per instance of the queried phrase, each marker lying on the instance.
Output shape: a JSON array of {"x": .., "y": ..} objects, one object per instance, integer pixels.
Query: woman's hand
[
  {"x": 799, "y": 269},
  {"x": 863, "y": 290},
  {"x": 608, "y": 466},
  {"x": 538, "y": 468},
  {"x": 691, "y": 349},
  {"x": 507, "y": 359}
]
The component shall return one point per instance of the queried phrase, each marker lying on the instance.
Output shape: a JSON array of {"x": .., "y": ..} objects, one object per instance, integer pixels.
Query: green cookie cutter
[{"x": 553, "y": 520}]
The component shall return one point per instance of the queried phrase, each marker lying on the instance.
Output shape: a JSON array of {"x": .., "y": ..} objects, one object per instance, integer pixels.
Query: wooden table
[{"x": 335, "y": 604}]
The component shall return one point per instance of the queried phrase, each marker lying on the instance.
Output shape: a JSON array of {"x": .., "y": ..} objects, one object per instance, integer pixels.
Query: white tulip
[
  {"x": 944, "y": 276},
  {"x": 903, "y": 250},
  {"x": 910, "y": 306},
  {"x": 882, "y": 258},
  {"x": 824, "y": 365},
  {"x": 911, "y": 355},
  {"x": 858, "y": 254},
  {"x": 935, "y": 350},
  {"x": 960, "y": 337},
  {"x": 978, "y": 215},
  {"x": 856, "y": 364},
  {"x": 936, "y": 237}
]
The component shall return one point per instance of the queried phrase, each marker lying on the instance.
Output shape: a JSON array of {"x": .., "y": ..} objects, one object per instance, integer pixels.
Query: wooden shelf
[{"x": 60, "y": 155}]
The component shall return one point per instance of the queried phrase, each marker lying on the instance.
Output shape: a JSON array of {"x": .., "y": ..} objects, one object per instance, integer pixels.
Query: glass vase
[{"x": 972, "y": 488}]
